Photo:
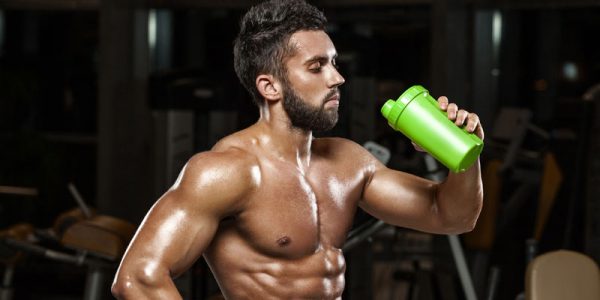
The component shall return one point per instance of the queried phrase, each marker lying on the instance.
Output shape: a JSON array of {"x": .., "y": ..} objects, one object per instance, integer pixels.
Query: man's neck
[{"x": 288, "y": 143}]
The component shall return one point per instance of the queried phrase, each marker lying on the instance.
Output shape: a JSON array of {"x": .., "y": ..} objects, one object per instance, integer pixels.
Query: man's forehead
[{"x": 311, "y": 43}]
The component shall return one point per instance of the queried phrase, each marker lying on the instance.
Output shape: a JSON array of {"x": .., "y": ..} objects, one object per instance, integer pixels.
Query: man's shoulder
[
  {"x": 220, "y": 179},
  {"x": 227, "y": 160},
  {"x": 343, "y": 150},
  {"x": 214, "y": 181},
  {"x": 338, "y": 144},
  {"x": 231, "y": 166}
]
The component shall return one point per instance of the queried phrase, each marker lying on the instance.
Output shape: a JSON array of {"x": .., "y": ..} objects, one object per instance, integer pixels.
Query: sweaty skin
[{"x": 269, "y": 207}]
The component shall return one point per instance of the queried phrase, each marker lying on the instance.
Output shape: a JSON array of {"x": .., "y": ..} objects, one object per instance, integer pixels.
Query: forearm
[{"x": 459, "y": 199}]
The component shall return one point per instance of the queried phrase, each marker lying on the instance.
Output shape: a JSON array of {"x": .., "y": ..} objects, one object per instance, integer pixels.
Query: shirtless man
[{"x": 269, "y": 207}]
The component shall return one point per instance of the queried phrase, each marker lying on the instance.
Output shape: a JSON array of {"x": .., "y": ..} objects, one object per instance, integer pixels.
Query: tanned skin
[{"x": 269, "y": 207}]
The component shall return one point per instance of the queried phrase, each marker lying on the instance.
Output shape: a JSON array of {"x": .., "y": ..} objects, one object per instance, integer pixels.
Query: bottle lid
[
  {"x": 411, "y": 93},
  {"x": 391, "y": 110}
]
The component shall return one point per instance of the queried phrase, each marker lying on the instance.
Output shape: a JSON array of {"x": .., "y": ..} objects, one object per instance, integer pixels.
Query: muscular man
[{"x": 269, "y": 207}]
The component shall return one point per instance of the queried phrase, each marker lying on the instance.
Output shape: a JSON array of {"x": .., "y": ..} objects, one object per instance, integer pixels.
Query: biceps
[
  {"x": 399, "y": 198},
  {"x": 171, "y": 238}
]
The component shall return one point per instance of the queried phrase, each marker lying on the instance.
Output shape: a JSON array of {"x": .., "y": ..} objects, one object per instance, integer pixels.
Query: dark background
[{"x": 114, "y": 96}]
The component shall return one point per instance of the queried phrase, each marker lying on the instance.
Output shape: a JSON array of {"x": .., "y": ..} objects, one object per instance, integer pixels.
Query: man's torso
[{"x": 286, "y": 242}]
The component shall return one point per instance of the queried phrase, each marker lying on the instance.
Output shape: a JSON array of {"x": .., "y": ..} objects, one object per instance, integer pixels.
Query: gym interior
[{"x": 103, "y": 101}]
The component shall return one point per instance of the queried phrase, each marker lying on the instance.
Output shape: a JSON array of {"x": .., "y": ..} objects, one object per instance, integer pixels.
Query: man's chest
[{"x": 292, "y": 214}]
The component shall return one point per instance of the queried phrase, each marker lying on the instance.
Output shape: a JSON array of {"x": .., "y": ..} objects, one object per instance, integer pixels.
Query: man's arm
[
  {"x": 181, "y": 224},
  {"x": 450, "y": 207}
]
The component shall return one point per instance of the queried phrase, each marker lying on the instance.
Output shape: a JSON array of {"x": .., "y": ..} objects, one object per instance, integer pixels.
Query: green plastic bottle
[{"x": 418, "y": 116}]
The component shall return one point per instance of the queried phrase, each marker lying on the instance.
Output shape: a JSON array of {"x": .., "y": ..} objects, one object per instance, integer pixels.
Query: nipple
[{"x": 284, "y": 241}]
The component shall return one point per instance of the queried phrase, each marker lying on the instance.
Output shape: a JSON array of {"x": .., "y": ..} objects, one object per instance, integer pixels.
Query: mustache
[{"x": 331, "y": 93}]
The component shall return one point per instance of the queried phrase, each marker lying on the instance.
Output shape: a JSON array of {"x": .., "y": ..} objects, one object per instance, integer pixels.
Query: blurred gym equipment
[
  {"x": 562, "y": 275},
  {"x": 79, "y": 237},
  {"x": 513, "y": 161},
  {"x": 591, "y": 171},
  {"x": 10, "y": 257},
  {"x": 22, "y": 231}
]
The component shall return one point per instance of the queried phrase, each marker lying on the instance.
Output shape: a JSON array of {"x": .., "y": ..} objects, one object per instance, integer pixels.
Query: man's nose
[{"x": 336, "y": 79}]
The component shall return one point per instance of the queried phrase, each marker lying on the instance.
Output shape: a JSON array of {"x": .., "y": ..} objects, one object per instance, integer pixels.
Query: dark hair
[{"x": 262, "y": 43}]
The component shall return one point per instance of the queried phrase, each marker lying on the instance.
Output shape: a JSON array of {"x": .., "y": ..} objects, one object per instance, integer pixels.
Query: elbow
[
  {"x": 478, "y": 207},
  {"x": 468, "y": 226},
  {"x": 120, "y": 288},
  {"x": 463, "y": 223},
  {"x": 469, "y": 221},
  {"x": 453, "y": 225},
  {"x": 460, "y": 227},
  {"x": 136, "y": 283},
  {"x": 456, "y": 229}
]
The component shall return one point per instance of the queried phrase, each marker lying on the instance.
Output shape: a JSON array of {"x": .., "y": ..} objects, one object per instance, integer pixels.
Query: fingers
[
  {"x": 452, "y": 111},
  {"x": 474, "y": 125},
  {"x": 479, "y": 132},
  {"x": 443, "y": 101},
  {"x": 472, "y": 122},
  {"x": 465, "y": 119},
  {"x": 461, "y": 117}
]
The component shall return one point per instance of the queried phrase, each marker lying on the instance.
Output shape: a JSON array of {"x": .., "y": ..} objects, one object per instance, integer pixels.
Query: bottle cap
[{"x": 392, "y": 110}]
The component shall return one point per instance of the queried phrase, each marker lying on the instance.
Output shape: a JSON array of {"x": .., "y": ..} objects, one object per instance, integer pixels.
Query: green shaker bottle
[{"x": 418, "y": 116}]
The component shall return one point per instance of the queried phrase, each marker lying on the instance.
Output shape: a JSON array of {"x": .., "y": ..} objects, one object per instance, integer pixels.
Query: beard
[{"x": 307, "y": 117}]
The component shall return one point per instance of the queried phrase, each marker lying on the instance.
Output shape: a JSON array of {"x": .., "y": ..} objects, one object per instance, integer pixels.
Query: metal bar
[
  {"x": 95, "y": 283},
  {"x": 7, "y": 279},
  {"x": 82, "y": 205},
  {"x": 42, "y": 251},
  {"x": 461, "y": 265},
  {"x": 81, "y": 258},
  {"x": 362, "y": 233},
  {"x": 17, "y": 190}
]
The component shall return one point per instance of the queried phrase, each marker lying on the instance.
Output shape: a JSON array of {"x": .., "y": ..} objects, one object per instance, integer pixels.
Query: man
[{"x": 269, "y": 207}]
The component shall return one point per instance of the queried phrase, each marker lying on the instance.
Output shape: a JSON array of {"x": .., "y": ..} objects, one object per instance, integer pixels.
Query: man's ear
[{"x": 268, "y": 87}]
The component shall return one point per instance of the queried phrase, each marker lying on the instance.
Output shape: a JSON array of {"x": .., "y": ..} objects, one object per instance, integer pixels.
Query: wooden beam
[
  {"x": 248, "y": 3},
  {"x": 175, "y": 4},
  {"x": 50, "y": 4},
  {"x": 370, "y": 2},
  {"x": 534, "y": 4},
  {"x": 201, "y": 3}
]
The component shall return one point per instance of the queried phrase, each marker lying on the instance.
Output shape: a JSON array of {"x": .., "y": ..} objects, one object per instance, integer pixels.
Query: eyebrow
[{"x": 319, "y": 58}]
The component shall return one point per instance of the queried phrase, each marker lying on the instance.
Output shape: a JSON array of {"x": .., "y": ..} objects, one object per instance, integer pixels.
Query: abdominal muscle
[{"x": 244, "y": 273}]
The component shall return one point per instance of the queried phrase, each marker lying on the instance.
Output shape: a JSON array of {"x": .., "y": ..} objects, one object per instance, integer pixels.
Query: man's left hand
[{"x": 460, "y": 117}]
